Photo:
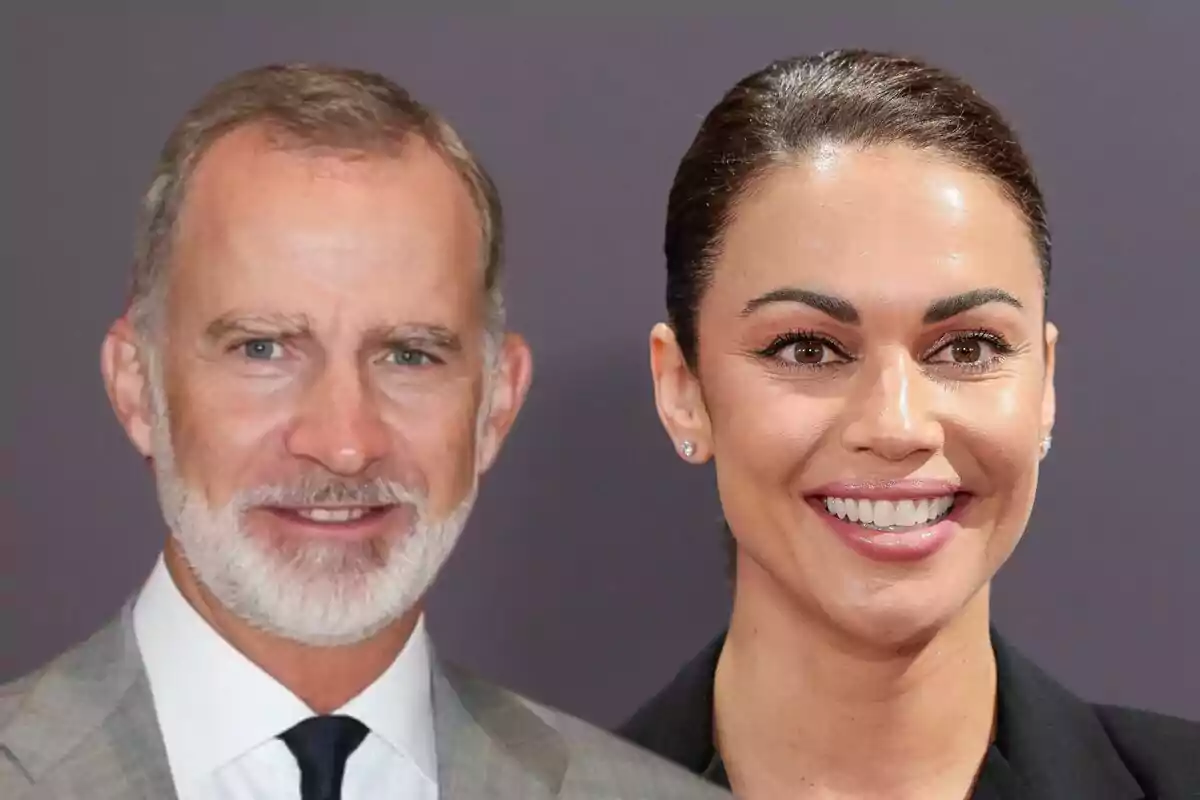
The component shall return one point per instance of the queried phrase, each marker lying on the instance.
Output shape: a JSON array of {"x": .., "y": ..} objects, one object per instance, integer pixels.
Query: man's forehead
[
  {"x": 249, "y": 159},
  {"x": 328, "y": 301},
  {"x": 321, "y": 256},
  {"x": 268, "y": 206}
]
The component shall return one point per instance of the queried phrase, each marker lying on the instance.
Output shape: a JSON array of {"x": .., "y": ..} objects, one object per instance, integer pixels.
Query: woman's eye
[
  {"x": 808, "y": 352},
  {"x": 261, "y": 349},
  {"x": 966, "y": 351}
]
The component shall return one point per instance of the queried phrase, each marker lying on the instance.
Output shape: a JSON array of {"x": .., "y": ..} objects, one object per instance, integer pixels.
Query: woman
[{"x": 858, "y": 260}]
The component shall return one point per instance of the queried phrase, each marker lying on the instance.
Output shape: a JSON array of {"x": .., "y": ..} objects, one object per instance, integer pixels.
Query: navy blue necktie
[{"x": 321, "y": 746}]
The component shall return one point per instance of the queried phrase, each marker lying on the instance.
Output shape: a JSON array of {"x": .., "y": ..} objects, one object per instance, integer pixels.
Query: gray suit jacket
[{"x": 84, "y": 726}]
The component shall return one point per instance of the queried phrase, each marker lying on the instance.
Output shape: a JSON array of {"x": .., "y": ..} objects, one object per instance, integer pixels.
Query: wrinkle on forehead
[{"x": 277, "y": 231}]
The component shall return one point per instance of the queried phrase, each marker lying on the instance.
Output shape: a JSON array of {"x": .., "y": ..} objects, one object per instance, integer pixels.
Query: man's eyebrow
[
  {"x": 263, "y": 324},
  {"x": 297, "y": 325},
  {"x": 420, "y": 333}
]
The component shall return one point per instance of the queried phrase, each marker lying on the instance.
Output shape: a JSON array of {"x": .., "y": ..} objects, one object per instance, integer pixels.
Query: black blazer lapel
[{"x": 1053, "y": 740}]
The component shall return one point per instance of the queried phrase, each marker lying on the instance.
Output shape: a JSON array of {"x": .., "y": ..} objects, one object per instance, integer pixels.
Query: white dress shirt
[{"x": 220, "y": 713}]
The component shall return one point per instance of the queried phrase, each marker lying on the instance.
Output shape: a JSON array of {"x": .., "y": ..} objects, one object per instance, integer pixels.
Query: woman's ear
[
  {"x": 1049, "y": 401},
  {"x": 678, "y": 397}
]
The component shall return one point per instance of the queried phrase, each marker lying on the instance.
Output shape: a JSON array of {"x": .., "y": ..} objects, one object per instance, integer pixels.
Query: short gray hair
[{"x": 302, "y": 105}]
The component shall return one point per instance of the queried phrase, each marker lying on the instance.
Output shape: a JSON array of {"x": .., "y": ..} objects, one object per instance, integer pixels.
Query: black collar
[{"x": 1050, "y": 745}]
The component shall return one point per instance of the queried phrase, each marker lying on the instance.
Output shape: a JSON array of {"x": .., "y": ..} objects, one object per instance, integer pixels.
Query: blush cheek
[
  {"x": 786, "y": 439},
  {"x": 1001, "y": 446},
  {"x": 1001, "y": 432},
  {"x": 764, "y": 448}
]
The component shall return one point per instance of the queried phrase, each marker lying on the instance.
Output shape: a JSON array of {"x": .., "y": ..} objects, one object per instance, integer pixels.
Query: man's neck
[
  {"x": 324, "y": 678},
  {"x": 800, "y": 711}
]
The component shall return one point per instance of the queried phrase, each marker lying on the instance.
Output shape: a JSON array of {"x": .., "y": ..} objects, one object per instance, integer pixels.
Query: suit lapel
[
  {"x": 132, "y": 739},
  {"x": 91, "y": 727},
  {"x": 490, "y": 745},
  {"x": 1053, "y": 740}
]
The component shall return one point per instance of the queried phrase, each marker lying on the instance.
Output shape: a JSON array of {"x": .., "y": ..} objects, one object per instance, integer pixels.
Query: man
[{"x": 314, "y": 360}]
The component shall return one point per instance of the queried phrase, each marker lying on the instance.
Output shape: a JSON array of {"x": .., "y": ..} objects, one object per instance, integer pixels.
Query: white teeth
[
  {"x": 890, "y": 514},
  {"x": 332, "y": 514}
]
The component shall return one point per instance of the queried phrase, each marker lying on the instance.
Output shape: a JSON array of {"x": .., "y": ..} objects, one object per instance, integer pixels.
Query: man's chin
[
  {"x": 317, "y": 592},
  {"x": 310, "y": 633},
  {"x": 325, "y": 599}
]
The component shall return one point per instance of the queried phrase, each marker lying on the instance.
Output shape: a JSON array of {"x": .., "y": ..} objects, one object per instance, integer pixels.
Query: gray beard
[{"x": 318, "y": 593}]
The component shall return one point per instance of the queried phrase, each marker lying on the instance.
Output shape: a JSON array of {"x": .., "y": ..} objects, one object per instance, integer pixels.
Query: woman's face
[{"x": 874, "y": 380}]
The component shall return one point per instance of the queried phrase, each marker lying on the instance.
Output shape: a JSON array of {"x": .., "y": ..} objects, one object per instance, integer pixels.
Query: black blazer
[{"x": 1049, "y": 744}]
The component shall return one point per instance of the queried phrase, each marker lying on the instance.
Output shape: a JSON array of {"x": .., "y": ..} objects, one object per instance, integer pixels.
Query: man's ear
[
  {"x": 678, "y": 397},
  {"x": 508, "y": 387},
  {"x": 123, "y": 366}
]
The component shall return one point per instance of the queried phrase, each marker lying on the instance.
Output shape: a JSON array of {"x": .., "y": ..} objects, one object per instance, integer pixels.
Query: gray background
[{"x": 592, "y": 567}]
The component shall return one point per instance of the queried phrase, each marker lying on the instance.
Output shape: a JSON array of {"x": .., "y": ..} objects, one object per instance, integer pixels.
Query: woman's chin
[
  {"x": 900, "y": 609},
  {"x": 900, "y": 618},
  {"x": 891, "y": 632}
]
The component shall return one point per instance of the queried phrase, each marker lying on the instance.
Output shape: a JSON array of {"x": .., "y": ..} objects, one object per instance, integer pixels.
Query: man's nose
[
  {"x": 893, "y": 415},
  {"x": 340, "y": 426}
]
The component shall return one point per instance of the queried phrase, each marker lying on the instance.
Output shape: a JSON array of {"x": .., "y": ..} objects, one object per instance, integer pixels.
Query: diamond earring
[
  {"x": 687, "y": 449},
  {"x": 1045, "y": 448}
]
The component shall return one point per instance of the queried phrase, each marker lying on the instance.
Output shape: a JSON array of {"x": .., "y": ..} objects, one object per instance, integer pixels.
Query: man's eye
[
  {"x": 261, "y": 349},
  {"x": 406, "y": 357}
]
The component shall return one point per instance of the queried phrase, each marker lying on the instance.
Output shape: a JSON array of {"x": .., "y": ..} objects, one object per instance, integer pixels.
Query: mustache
[{"x": 323, "y": 490}]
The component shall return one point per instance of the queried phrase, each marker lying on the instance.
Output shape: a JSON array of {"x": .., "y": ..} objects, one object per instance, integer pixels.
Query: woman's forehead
[{"x": 880, "y": 218}]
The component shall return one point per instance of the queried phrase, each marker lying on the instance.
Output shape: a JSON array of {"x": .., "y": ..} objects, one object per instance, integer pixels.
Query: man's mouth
[
  {"x": 332, "y": 516},
  {"x": 892, "y": 516}
]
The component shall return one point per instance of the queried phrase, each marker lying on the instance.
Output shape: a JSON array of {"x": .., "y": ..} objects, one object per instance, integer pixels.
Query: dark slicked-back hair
[{"x": 850, "y": 98}]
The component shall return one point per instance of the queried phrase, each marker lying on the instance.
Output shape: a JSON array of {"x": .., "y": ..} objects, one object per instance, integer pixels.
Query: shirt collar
[
  {"x": 398, "y": 706},
  {"x": 214, "y": 704}
]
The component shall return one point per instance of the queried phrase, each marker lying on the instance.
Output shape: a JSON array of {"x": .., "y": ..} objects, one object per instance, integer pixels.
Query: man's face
[{"x": 322, "y": 400}]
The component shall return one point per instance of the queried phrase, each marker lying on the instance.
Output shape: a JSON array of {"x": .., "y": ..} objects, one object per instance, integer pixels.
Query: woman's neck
[{"x": 802, "y": 710}]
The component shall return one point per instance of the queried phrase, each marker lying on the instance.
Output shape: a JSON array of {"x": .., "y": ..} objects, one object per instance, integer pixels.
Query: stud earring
[
  {"x": 687, "y": 449},
  {"x": 1045, "y": 448}
]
